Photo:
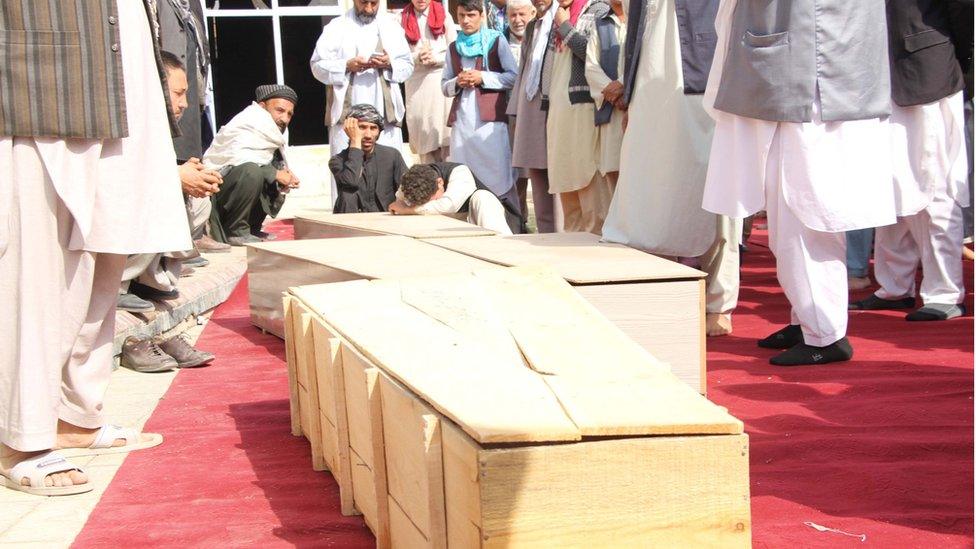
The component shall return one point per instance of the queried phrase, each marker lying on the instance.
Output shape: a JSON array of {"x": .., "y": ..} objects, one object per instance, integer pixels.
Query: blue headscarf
[{"x": 477, "y": 44}]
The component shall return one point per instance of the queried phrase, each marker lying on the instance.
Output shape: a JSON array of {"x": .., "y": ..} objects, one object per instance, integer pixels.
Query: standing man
[
  {"x": 429, "y": 29},
  {"x": 931, "y": 167},
  {"x": 249, "y": 152},
  {"x": 519, "y": 13},
  {"x": 571, "y": 135},
  {"x": 88, "y": 176},
  {"x": 800, "y": 94},
  {"x": 363, "y": 57},
  {"x": 656, "y": 206},
  {"x": 526, "y": 105},
  {"x": 479, "y": 69}
]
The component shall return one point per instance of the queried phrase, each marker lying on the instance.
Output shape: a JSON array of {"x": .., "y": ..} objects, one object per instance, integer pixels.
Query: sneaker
[
  {"x": 194, "y": 262},
  {"x": 152, "y": 294},
  {"x": 134, "y": 304},
  {"x": 184, "y": 353},
  {"x": 142, "y": 355},
  {"x": 243, "y": 240},
  {"x": 206, "y": 245},
  {"x": 875, "y": 303}
]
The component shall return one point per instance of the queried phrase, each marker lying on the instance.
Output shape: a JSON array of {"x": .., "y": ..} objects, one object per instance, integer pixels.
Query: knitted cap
[{"x": 271, "y": 91}]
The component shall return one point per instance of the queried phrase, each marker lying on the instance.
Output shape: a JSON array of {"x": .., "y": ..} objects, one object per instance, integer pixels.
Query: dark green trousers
[{"x": 247, "y": 196}]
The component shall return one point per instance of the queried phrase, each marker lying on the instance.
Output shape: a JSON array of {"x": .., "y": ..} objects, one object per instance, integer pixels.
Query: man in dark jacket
[{"x": 366, "y": 173}]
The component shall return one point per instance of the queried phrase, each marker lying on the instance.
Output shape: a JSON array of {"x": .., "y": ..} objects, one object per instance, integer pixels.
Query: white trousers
[
  {"x": 485, "y": 210},
  {"x": 162, "y": 271},
  {"x": 58, "y": 306},
  {"x": 811, "y": 266},
  {"x": 721, "y": 263},
  {"x": 933, "y": 237}
]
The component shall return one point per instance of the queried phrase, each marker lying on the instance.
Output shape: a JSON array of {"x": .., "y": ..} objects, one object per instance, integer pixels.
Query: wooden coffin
[
  {"x": 471, "y": 420},
  {"x": 273, "y": 267},
  {"x": 372, "y": 224},
  {"x": 657, "y": 302}
]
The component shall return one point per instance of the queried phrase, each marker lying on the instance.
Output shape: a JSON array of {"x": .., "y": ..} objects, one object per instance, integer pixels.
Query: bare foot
[
  {"x": 10, "y": 457},
  {"x": 72, "y": 436},
  {"x": 967, "y": 253},
  {"x": 718, "y": 324},
  {"x": 855, "y": 283}
]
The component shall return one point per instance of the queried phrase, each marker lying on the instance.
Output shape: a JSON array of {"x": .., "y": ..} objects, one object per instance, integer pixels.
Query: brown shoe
[
  {"x": 208, "y": 245},
  {"x": 185, "y": 354},
  {"x": 142, "y": 355}
]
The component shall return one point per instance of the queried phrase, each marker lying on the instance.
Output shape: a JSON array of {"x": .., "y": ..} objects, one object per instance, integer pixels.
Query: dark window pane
[
  {"x": 238, "y": 4},
  {"x": 300, "y": 3},
  {"x": 298, "y": 37},
  {"x": 242, "y": 51}
]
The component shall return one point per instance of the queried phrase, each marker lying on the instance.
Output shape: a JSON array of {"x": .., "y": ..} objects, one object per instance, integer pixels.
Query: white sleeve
[{"x": 328, "y": 66}]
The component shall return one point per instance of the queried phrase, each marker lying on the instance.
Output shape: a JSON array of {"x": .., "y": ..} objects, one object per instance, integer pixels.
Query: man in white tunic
[
  {"x": 362, "y": 56},
  {"x": 656, "y": 206},
  {"x": 479, "y": 70},
  {"x": 428, "y": 29},
  {"x": 800, "y": 100},
  {"x": 931, "y": 168},
  {"x": 80, "y": 191}
]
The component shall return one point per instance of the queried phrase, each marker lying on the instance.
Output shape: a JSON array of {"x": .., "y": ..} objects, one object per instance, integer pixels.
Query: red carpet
[{"x": 880, "y": 446}]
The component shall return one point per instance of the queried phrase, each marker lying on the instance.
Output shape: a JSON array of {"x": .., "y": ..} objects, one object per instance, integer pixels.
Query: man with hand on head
[
  {"x": 448, "y": 188},
  {"x": 366, "y": 173},
  {"x": 249, "y": 151}
]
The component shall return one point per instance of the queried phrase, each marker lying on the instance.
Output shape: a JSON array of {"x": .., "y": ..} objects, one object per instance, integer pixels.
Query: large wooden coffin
[
  {"x": 657, "y": 302},
  {"x": 273, "y": 267},
  {"x": 310, "y": 226},
  {"x": 454, "y": 414}
]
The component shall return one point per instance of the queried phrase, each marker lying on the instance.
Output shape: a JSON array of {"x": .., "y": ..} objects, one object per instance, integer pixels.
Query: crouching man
[{"x": 448, "y": 188}]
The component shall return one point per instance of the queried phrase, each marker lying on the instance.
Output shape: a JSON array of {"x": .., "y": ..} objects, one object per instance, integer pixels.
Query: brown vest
[{"x": 491, "y": 103}]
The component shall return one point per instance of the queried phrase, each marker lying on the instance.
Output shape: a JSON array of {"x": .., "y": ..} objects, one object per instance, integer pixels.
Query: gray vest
[{"x": 781, "y": 51}]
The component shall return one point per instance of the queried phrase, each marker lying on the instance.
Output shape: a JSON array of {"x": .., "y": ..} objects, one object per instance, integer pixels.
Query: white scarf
[
  {"x": 534, "y": 70},
  {"x": 251, "y": 136}
]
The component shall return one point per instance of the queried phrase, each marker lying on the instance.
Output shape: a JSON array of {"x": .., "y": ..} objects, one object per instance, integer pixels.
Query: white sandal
[
  {"x": 106, "y": 437},
  {"x": 39, "y": 467}
]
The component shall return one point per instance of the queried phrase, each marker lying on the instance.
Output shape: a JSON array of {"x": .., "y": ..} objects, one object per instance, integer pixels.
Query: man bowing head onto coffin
[
  {"x": 249, "y": 152},
  {"x": 366, "y": 173},
  {"x": 449, "y": 188}
]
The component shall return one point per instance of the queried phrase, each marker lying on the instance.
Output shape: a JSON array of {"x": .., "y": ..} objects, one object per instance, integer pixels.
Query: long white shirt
[
  {"x": 835, "y": 176},
  {"x": 347, "y": 37},
  {"x": 482, "y": 146}
]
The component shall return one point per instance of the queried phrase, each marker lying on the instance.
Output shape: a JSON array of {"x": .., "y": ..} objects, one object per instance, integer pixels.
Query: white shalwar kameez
[
  {"x": 929, "y": 151},
  {"x": 344, "y": 38},
  {"x": 483, "y": 147},
  {"x": 815, "y": 179}
]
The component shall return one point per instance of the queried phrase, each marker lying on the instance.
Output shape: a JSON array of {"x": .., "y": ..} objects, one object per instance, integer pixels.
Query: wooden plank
[
  {"x": 665, "y": 318},
  {"x": 703, "y": 372},
  {"x": 305, "y": 354},
  {"x": 293, "y": 403},
  {"x": 579, "y": 258},
  {"x": 357, "y": 403},
  {"x": 378, "y": 441},
  {"x": 364, "y": 490},
  {"x": 491, "y": 396},
  {"x": 403, "y": 533},
  {"x": 382, "y": 223},
  {"x": 434, "y": 465},
  {"x": 462, "y": 490},
  {"x": 637, "y": 492},
  {"x": 411, "y": 438},
  {"x": 332, "y": 404}
]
